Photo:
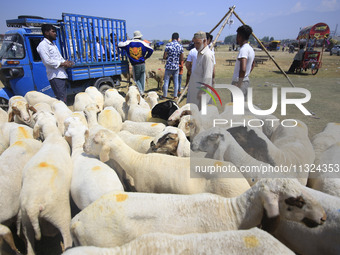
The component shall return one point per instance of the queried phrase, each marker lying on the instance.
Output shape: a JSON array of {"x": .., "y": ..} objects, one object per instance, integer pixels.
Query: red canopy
[{"x": 318, "y": 31}]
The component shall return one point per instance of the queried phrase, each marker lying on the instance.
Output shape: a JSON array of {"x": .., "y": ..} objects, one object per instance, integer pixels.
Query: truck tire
[
  {"x": 4, "y": 103},
  {"x": 103, "y": 84}
]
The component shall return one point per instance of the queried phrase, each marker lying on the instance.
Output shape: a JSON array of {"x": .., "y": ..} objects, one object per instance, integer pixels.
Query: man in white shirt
[
  {"x": 245, "y": 60},
  {"x": 203, "y": 71},
  {"x": 53, "y": 61}
]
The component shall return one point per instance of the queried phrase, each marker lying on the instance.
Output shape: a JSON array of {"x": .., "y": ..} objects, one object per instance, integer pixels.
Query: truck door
[{"x": 41, "y": 82}]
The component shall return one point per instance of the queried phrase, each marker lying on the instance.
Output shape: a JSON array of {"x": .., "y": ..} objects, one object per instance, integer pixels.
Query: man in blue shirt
[
  {"x": 137, "y": 51},
  {"x": 173, "y": 54}
]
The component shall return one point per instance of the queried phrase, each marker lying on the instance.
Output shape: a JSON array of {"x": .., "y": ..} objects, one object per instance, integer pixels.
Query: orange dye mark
[
  {"x": 96, "y": 168},
  {"x": 121, "y": 197},
  {"x": 154, "y": 124}
]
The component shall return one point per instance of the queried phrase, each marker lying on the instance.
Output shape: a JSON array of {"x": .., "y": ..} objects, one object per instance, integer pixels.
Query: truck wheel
[
  {"x": 103, "y": 84},
  {"x": 102, "y": 89},
  {"x": 4, "y": 103}
]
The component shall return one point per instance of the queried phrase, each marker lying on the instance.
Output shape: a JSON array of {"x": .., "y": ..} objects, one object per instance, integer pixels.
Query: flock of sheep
[{"x": 129, "y": 174}]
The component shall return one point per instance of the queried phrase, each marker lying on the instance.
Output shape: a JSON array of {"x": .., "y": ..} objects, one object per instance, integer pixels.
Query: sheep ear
[
  {"x": 127, "y": 98},
  {"x": 36, "y": 131},
  {"x": 87, "y": 133},
  {"x": 181, "y": 148},
  {"x": 105, "y": 153},
  {"x": 138, "y": 98},
  {"x": 33, "y": 109},
  {"x": 271, "y": 204},
  {"x": 219, "y": 152},
  {"x": 11, "y": 116}
]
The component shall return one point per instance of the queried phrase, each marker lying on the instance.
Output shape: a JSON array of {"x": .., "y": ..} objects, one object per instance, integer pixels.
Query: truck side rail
[{"x": 80, "y": 35}]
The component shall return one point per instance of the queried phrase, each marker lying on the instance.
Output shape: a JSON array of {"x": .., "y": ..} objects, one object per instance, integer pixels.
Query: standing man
[
  {"x": 173, "y": 53},
  {"x": 297, "y": 59},
  {"x": 190, "y": 64},
  {"x": 53, "y": 61},
  {"x": 203, "y": 72},
  {"x": 137, "y": 51},
  {"x": 245, "y": 60}
]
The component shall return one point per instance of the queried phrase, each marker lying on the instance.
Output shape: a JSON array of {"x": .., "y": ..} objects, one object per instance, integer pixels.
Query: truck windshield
[{"x": 12, "y": 47}]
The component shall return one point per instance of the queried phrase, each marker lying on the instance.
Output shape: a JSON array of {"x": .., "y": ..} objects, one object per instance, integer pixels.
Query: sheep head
[
  {"x": 97, "y": 144},
  {"x": 288, "y": 199}
]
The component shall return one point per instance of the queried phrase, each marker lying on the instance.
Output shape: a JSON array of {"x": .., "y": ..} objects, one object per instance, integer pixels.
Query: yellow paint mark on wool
[
  {"x": 121, "y": 197},
  {"x": 23, "y": 133},
  {"x": 251, "y": 241},
  {"x": 43, "y": 164},
  {"x": 218, "y": 163},
  {"x": 229, "y": 104},
  {"x": 18, "y": 143},
  {"x": 145, "y": 137},
  {"x": 95, "y": 168},
  {"x": 154, "y": 124}
]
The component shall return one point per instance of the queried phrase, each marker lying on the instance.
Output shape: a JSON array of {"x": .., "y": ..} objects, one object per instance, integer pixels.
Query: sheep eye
[{"x": 289, "y": 209}]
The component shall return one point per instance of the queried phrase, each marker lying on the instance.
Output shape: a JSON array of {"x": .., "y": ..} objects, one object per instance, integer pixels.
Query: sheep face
[
  {"x": 167, "y": 144},
  {"x": 41, "y": 119},
  {"x": 22, "y": 111},
  {"x": 288, "y": 199},
  {"x": 96, "y": 145}
]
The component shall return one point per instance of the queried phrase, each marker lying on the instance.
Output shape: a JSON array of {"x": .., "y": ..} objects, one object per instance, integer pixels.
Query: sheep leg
[
  {"x": 28, "y": 232},
  {"x": 6, "y": 235}
]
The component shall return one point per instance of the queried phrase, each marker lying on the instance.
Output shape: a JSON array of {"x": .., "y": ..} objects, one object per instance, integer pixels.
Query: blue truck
[{"x": 90, "y": 42}]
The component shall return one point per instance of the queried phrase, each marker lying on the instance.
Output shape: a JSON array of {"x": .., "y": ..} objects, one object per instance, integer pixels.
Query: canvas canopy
[{"x": 318, "y": 31}]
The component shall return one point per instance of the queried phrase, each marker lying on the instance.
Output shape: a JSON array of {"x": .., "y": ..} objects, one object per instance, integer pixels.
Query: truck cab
[{"x": 21, "y": 69}]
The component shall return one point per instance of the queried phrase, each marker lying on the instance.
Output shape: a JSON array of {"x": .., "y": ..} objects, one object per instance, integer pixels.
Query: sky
[{"x": 159, "y": 19}]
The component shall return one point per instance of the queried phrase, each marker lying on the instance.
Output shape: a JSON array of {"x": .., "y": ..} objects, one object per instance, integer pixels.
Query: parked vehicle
[
  {"x": 335, "y": 50},
  {"x": 21, "y": 69},
  {"x": 312, "y": 58}
]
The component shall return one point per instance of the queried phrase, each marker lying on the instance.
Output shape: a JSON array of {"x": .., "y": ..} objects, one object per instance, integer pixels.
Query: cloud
[
  {"x": 297, "y": 8},
  {"x": 329, "y": 5}
]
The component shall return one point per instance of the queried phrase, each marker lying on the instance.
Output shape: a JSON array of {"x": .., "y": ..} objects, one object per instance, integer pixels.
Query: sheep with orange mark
[
  {"x": 110, "y": 119},
  {"x": 121, "y": 220},
  {"x": 91, "y": 178},
  {"x": 140, "y": 143},
  {"x": 163, "y": 173},
  {"x": 138, "y": 109},
  {"x": 96, "y": 96},
  {"x": 143, "y": 128},
  {"x": 12, "y": 162},
  {"x": 44, "y": 197},
  {"x": 20, "y": 111},
  {"x": 117, "y": 101},
  {"x": 251, "y": 241}
]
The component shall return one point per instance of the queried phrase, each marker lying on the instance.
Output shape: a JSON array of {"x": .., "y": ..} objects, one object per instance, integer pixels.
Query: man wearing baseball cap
[{"x": 138, "y": 51}]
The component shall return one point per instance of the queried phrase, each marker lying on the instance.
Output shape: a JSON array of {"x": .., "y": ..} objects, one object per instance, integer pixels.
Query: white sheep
[
  {"x": 12, "y": 162},
  {"x": 3, "y": 116},
  {"x": 143, "y": 128},
  {"x": 117, "y": 101},
  {"x": 137, "y": 111},
  {"x": 43, "y": 107},
  {"x": 61, "y": 112},
  {"x": 96, "y": 96},
  {"x": 140, "y": 143},
  {"x": 151, "y": 98},
  {"x": 253, "y": 241},
  {"x": 35, "y": 97},
  {"x": 81, "y": 100},
  {"x": 175, "y": 117},
  {"x": 314, "y": 241},
  {"x": 20, "y": 111},
  {"x": 117, "y": 218},
  {"x": 163, "y": 173},
  {"x": 221, "y": 145},
  {"x": 91, "y": 178},
  {"x": 171, "y": 141},
  {"x": 51, "y": 168},
  {"x": 110, "y": 119}
]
